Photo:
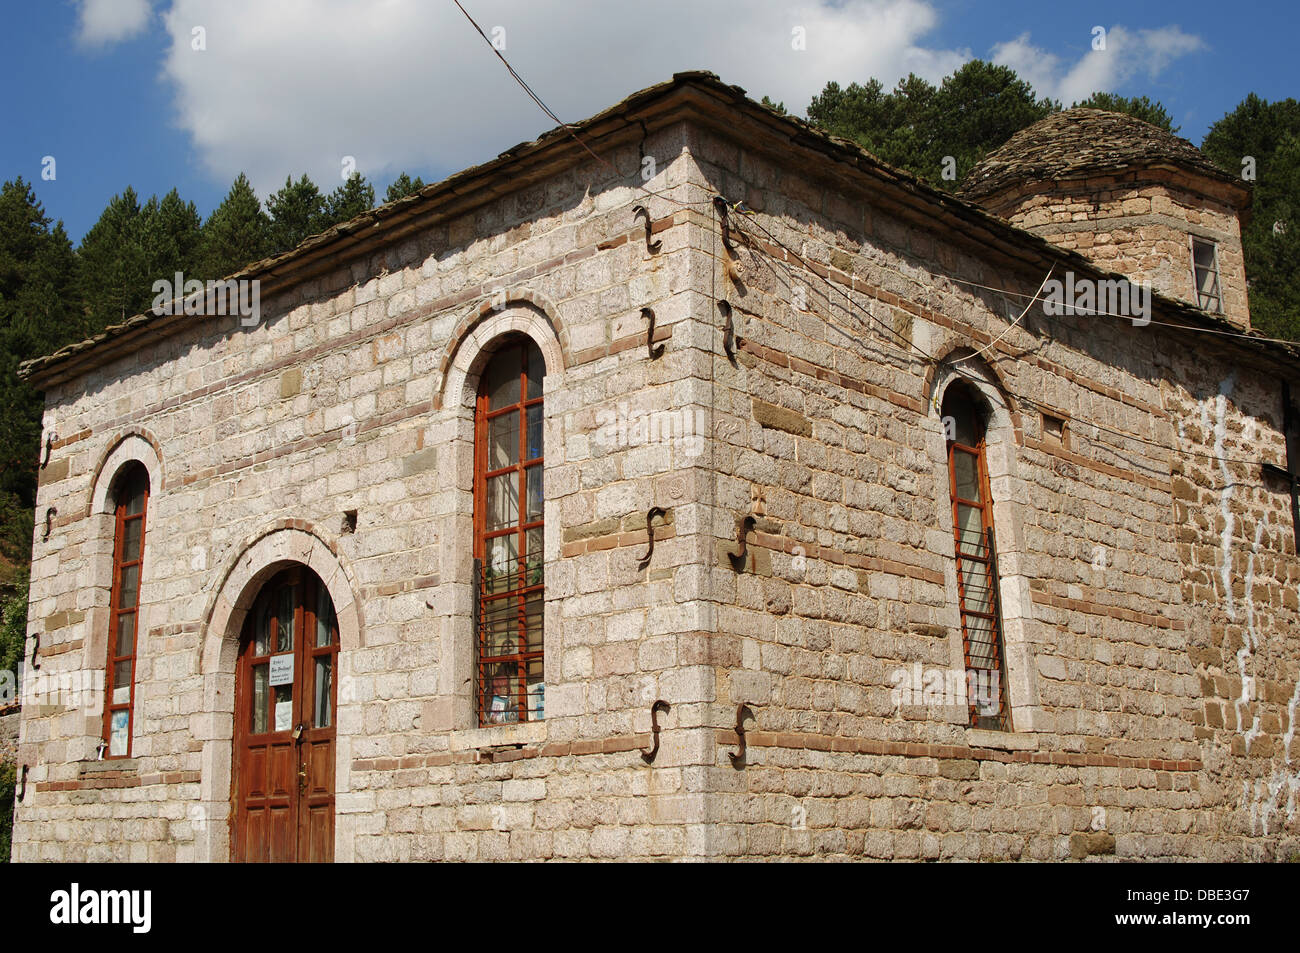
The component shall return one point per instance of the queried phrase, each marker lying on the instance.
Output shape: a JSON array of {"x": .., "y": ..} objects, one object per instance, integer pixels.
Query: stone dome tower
[{"x": 1139, "y": 201}]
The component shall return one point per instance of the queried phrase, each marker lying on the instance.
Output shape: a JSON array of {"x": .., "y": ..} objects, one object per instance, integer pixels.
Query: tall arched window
[
  {"x": 976, "y": 553},
  {"x": 508, "y": 555},
  {"x": 131, "y": 499}
]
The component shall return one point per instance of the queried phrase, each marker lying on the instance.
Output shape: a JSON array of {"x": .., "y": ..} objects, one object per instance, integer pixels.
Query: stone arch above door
[{"x": 258, "y": 558}]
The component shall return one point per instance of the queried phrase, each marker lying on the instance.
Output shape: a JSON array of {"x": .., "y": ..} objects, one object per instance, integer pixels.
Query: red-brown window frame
[
  {"x": 124, "y": 486},
  {"x": 525, "y": 592},
  {"x": 985, "y": 555}
]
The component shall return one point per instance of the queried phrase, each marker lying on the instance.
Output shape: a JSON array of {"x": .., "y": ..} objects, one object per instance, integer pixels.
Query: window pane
[
  {"x": 970, "y": 529},
  {"x": 261, "y": 686},
  {"x": 500, "y": 627},
  {"x": 502, "y": 694},
  {"x": 119, "y": 723},
  {"x": 135, "y": 502},
  {"x": 324, "y": 679},
  {"x": 131, "y": 540},
  {"x": 533, "y": 621},
  {"x": 286, "y": 599},
  {"x": 533, "y": 479},
  {"x": 503, "y": 440},
  {"x": 499, "y": 566},
  {"x": 536, "y": 371},
  {"x": 125, "y": 644},
  {"x": 536, "y": 691},
  {"x": 283, "y": 711},
  {"x": 324, "y": 618},
  {"x": 503, "y": 501},
  {"x": 129, "y": 581},
  {"x": 966, "y": 470},
  {"x": 502, "y": 379},
  {"x": 122, "y": 683},
  {"x": 262, "y": 627},
  {"x": 534, "y": 444},
  {"x": 534, "y": 553},
  {"x": 975, "y": 587},
  {"x": 979, "y": 634}
]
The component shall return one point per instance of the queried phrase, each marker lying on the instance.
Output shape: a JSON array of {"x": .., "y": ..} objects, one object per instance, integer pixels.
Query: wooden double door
[{"x": 285, "y": 704}]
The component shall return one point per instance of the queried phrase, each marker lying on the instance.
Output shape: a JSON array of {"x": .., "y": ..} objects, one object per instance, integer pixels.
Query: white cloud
[
  {"x": 298, "y": 85},
  {"x": 291, "y": 86},
  {"x": 103, "y": 22},
  {"x": 1128, "y": 54}
]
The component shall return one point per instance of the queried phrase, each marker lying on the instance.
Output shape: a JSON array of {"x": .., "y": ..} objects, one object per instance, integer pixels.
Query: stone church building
[{"x": 688, "y": 484}]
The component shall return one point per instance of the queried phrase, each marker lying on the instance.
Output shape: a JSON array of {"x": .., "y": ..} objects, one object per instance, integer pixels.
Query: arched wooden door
[{"x": 285, "y": 702}]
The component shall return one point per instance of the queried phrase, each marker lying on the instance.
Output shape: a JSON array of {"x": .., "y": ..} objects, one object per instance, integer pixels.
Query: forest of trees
[{"x": 52, "y": 294}]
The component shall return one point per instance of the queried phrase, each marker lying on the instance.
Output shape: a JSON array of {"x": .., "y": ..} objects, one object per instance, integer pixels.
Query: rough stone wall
[
  {"x": 1138, "y": 226},
  {"x": 828, "y": 437},
  {"x": 1241, "y": 582},
  {"x": 351, "y": 394}
]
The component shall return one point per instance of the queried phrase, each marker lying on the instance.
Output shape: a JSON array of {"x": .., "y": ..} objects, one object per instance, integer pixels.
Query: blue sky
[{"x": 186, "y": 93}]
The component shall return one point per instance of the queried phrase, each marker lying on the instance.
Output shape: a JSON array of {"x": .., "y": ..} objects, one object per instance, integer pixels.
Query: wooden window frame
[
  {"x": 1195, "y": 240},
  {"x": 988, "y": 557},
  {"x": 124, "y": 485},
  {"x": 486, "y": 604}
]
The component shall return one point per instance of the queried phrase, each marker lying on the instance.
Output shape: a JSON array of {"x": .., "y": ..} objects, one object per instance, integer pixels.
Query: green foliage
[
  {"x": 1268, "y": 133},
  {"x": 37, "y": 278},
  {"x": 1139, "y": 107},
  {"x": 13, "y": 620},
  {"x": 297, "y": 211},
  {"x": 130, "y": 247},
  {"x": 236, "y": 234},
  {"x": 917, "y": 126},
  {"x": 403, "y": 186},
  {"x": 349, "y": 200},
  {"x": 778, "y": 108}
]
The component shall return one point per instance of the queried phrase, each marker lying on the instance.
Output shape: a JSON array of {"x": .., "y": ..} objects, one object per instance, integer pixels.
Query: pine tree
[
  {"x": 37, "y": 278},
  {"x": 1263, "y": 139},
  {"x": 349, "y": 200},
  {"x": 918, "y": 126},
  {"x": 1138, "y": 106},
  {"x": 236, "y": 234},
  {"x": 297, "y": 211},
  {"x": 403, "y": 186},
  {"x": 114, "y": 270}
]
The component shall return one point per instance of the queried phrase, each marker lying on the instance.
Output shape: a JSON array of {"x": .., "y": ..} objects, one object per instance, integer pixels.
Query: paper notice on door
[
  {"x": 282, "y": 669},
  {"x": 284, "y": 715}
]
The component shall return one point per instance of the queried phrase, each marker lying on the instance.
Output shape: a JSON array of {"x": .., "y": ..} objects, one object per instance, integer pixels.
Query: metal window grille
[{"x": 508, "y": 604}]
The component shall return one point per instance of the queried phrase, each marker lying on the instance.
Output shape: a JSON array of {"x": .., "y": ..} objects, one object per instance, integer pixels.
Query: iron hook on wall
[
  {"x": 36, "y": 647},
  {"x": 720, "y": 204},
  {"x": 22, "y": 784},
  {"x": 738, "y": 757},
  {"x": 651, "y": 246},
  {"x": 49, "y": 520},
  {"x": 741, "y": 555},
  {"x": 659, "y": 706},
  {"x": 650, "y": 534},
  {"x": 50, "y": 437},
  {"x": 655, "y": 352},
  {"x": 729, "y": 337}
]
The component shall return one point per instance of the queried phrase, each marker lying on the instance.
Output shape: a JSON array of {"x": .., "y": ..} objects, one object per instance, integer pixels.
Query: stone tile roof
[
  {"x": 528, "y": 161},
  {"x": 1082, "y": 141}
]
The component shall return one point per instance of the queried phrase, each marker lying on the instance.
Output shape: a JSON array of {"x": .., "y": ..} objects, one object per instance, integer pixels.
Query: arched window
[
  {"x": 976, "y": 553},
  {"x": 131, "y": 501},
  {"x": 508, "y": 554}
]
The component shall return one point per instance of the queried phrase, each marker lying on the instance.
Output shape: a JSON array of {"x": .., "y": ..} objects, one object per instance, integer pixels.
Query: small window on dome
[{"x": 1205, "y": 273}]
